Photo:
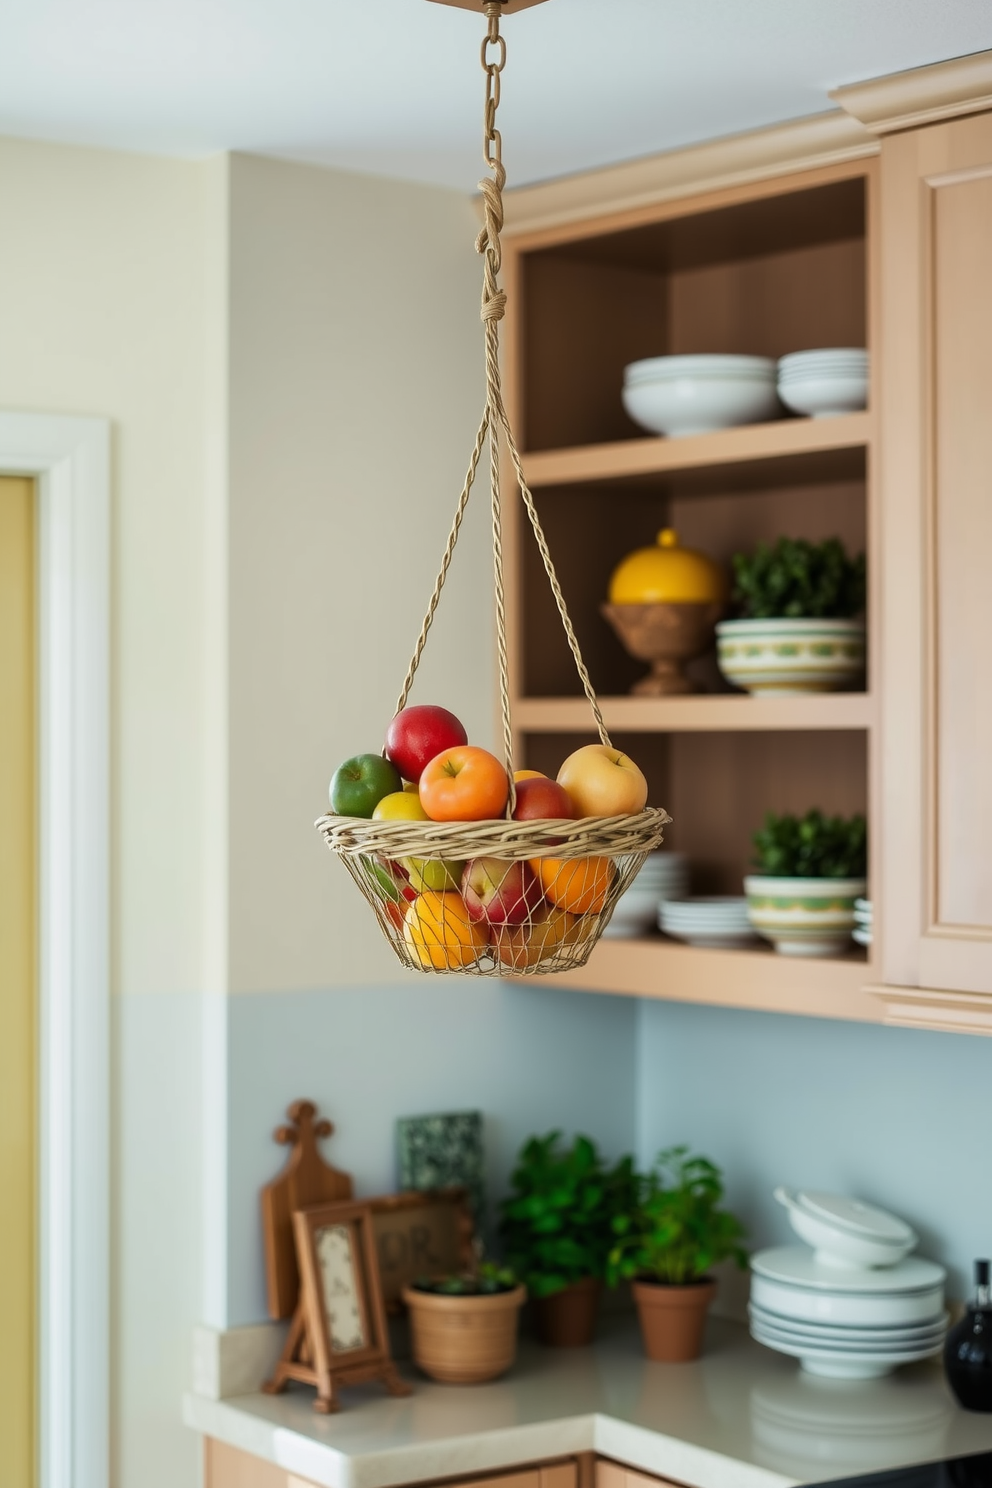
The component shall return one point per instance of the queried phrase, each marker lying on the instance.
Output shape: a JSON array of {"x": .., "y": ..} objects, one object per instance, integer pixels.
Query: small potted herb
[
  {"x": 667, "y": 1245},
  {"x": 557, "y": 1230},
  {"x": 463, "y": 1329},
  {"x": 810, "y": 871},
  {"x": 800, "y": 627}
]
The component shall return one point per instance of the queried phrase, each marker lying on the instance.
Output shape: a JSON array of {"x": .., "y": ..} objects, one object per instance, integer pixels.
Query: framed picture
[
  {"x": 421, "y": 1234},
  {"x": 338, "y": 1335}
]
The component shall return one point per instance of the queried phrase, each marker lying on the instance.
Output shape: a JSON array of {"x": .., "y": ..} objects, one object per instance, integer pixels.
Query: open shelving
[{"x": 764, "y": 269}]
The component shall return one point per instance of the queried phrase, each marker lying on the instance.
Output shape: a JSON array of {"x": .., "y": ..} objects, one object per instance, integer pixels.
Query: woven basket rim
[{"x": 549, "y": 837}]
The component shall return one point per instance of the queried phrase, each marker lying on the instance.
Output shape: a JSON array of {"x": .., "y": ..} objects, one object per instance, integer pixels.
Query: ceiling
[{"x": 393, "y": 87}]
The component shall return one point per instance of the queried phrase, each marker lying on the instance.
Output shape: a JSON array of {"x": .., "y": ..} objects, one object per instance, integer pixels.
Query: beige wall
[
  {"x": 103, "y": 260},
  {"x": 356, "y": 389}
]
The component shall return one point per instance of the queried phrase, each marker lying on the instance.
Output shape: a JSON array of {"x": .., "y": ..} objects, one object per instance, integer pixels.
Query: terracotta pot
[
  {"x": 567, "y": 1319},
  {"x": 464, "y": 1340},
  {"x": 672, "y": 1318}
]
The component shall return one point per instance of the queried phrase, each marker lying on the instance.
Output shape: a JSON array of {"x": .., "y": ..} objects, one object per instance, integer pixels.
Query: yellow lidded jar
[{"x": 667, "y": 574}]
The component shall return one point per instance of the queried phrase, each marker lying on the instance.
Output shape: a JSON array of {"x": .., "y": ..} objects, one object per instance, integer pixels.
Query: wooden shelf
[
  {"x": 796, "y": 448},
  {"x": 729, "y": 712},
  {"x": 760, "y": 979}
]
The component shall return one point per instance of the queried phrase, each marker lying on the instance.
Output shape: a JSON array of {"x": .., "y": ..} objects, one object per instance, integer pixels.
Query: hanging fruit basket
[{"x": 500, "y": 896}]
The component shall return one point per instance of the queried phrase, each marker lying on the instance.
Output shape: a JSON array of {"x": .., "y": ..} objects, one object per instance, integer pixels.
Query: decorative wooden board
[
  {"x": 305, "y": 1180},
  {"x": 420, "y": 1234}
]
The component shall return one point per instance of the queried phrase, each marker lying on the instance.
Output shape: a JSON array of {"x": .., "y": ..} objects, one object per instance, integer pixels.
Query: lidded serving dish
[{"x": 664, "y": 602}]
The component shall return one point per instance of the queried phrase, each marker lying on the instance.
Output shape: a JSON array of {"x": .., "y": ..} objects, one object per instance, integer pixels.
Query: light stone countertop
[{"x": 740, "y": 1417}]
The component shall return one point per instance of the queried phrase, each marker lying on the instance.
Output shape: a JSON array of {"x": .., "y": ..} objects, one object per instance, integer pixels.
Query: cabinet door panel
[{"x": 934, "y": 887}]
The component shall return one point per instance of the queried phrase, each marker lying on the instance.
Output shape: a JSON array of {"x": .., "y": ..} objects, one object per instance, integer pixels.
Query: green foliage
[
  {"x": 799, "y": 580},
  {"x": 557, "y": 1221},
  {"x": 676, "y": 1230},
  {"x": 485, "y": 1282},
  {"x": 813, "y": 846}
]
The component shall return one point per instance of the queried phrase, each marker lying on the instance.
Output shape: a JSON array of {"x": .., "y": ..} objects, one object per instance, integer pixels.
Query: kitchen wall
[{"x": 897, "y": 1116}]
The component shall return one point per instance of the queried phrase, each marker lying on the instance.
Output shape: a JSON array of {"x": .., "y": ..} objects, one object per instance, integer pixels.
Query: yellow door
[{"x": 17, "y": 980}]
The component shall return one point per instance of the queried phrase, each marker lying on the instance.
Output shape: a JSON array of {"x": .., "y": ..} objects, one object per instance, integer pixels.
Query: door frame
[{"x": 70, "y": 460}]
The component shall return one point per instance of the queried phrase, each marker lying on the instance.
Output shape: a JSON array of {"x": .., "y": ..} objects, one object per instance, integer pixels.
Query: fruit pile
[{"x": 517, "y": 910}]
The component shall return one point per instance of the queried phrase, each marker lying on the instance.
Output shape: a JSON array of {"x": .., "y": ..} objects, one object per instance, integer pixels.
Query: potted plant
[
  {"x": 463, "y": 1329},
  {"x": 810, "y": 871},
  {"x": 800, "y": 627},
  {"x": 668, "y": 1243},
  {"x": 557, "y": 1230}
]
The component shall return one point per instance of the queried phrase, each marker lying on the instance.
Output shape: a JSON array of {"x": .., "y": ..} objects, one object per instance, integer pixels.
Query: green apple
[
  {"x": 437, "y": 874},
  {"x": 360, "y": 783}
]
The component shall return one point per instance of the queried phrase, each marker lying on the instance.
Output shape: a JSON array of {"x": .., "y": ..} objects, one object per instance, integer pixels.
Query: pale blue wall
[
  {"x": 529, "y": 1057},
  {"x": 899, "y": 1117}
]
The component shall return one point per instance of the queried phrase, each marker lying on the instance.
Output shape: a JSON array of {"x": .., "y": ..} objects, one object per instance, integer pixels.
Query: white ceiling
[{"x": 394, "y": 87}]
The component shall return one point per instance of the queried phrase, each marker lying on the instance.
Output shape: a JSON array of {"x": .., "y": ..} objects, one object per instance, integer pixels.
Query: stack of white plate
[
  {"x": 862, "y": 922},
  {"x": 824, "y": 383},
  {"x": 695, "y": 394},
  {"x": 719, "y": 922},
  {"x": 859, "y": 1305},
  {"x": 663, "y": 875}
]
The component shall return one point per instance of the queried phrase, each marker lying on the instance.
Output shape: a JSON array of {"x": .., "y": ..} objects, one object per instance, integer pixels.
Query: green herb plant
[
  {"x": 676, "y": 1230},
  {"x": 557, "y": 1221},
  {"x": 812, "y": 846},
  {"x": 486, "y": 1281},
  {"x": 799, "y": 580}
]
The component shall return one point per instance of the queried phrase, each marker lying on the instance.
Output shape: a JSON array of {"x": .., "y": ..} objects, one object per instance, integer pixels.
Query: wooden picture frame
[
  {"x": 338, "y": 1335},
  {"x": 421, "y": 1233}
]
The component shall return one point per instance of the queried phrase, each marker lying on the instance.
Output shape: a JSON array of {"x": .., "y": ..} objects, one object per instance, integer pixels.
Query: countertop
[{"x": 740, "y": 1417}]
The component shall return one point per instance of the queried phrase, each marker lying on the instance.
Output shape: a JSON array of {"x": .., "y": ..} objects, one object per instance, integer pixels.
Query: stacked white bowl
[
  {"x": 862, "y": 922},
  {"x": 859, "y": 1305},
  {"x": 663, "y": 875},
  {"x": 716, "y": 922},
  {"x": 696, "y": 394},
  {"x": 826, "y": 382}
]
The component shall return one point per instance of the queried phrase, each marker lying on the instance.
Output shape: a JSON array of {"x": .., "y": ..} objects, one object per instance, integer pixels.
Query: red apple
[
  {"x": 603, "y": 782},
  {"x": 539, "y": 797},
  {"x": 419, "y": 733},
  {"x": 498, "y": 892}
]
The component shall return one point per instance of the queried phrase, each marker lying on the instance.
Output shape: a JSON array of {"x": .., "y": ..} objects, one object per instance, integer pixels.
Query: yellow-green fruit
[{"x": 435, "y": 874}]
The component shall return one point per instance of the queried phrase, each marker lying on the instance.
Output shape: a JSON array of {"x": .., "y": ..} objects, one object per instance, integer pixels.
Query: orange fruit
[
  {"x": 517, "y": 947},
  {"x": 440, "y": 934},
  {"x": 579, "y": 885}
]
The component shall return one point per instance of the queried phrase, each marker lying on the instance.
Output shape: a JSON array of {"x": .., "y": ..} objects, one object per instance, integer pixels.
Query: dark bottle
[{"x": 968, "y": 1348}]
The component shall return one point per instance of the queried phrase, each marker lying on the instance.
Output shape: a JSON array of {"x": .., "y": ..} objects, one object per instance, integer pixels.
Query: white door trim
[{"x": 70, "y": 459}]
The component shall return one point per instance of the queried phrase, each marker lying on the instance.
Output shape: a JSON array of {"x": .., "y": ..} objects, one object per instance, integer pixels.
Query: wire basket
[{"x": 500, "y": 897}]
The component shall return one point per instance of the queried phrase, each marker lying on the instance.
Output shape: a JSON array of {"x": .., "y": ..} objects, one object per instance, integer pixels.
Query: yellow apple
[
  {"x": 603, "y": 782},
  {"x": 400, "y": 805},
  {"x": 436, "y": 874}
]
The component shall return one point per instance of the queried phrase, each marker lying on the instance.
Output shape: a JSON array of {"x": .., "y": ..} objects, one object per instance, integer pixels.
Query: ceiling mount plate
[{"x": 508, "y": 6}]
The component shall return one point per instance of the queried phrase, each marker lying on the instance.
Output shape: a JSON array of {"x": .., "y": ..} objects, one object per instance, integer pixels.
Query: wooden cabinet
[
  {"x": 892, "y": 249},
  {"x": 766, "y": 268},
  {"x": 935, "y": 409},
  {"x": 615, "y": 1475},
  {"x": 228, "y": 1467}
]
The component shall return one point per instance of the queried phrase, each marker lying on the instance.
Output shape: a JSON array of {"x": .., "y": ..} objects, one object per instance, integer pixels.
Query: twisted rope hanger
[{"x": 495, "y": 422}]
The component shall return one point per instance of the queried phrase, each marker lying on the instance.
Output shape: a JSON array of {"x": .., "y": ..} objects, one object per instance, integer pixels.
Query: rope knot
[{"x": 494, "y": 307}]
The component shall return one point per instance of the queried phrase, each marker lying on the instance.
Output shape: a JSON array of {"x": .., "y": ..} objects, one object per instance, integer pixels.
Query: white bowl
[
  {"x": 826, "y": 394},
  {"x": 782, "y": 657},
  {"x": 634, "y": 913},
  {"x": 823, "y": 356},
  {"x": 846, "y": 1233},
  {"x": 707, "y": 364},
  {"x": 840, "y": 1364},
  {"x": 682, "y": 401}
]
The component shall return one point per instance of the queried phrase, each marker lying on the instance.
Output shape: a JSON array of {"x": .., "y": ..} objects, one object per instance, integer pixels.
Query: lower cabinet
[
  {"x": 228, "y": 1467},
  {"x": 615, "y": 1475}
]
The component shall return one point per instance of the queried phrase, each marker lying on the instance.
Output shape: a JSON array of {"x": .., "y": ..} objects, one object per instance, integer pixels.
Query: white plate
[
  {"x": 909, "y": 1334},
  {"x": 651, "y": 369},
  {"x": 835, "y": 1364},
  {"x": 807, "y": 1305},
  {"x": 795, "y": 1266},
  {"x": 896, "y": 1349},
  {"x": 862, "y": 935}
]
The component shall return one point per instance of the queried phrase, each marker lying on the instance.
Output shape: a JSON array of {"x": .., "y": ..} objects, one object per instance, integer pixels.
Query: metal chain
[{"x": 495, "y": 420}]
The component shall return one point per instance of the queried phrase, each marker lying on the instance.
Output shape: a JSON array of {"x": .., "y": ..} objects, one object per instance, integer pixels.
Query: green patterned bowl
[
  {"x": 804, "y": 916},
  {"x": 790, "y": 656}
]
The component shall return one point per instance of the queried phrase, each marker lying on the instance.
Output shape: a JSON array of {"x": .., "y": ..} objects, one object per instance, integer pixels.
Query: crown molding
[
  {"x": 929, "y": 1007},
  {"x": 803, "y": 144},
  {"x": 924, "y": 95}
]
